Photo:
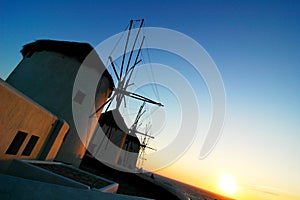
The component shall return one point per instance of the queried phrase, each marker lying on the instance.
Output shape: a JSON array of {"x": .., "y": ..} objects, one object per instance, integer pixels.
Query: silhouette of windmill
[
  {"x": 134, "y": 130},
  {"x": 119, "y": 92},
  {"x": 143, "y": 146}
]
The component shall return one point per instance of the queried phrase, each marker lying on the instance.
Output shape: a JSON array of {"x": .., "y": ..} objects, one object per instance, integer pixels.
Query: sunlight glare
[{"x": 227, "y": 184}]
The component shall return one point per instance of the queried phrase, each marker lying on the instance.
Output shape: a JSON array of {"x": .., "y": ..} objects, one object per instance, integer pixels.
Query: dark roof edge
[{"x": 72, "y": 49}]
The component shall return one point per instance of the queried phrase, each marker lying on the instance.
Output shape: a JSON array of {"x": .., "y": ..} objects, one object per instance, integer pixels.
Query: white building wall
[
  {"x": 102, "y": 147},
  {"x": 107, "y": 148},
  {"x": 20, "y": 115},
  {"x": 48, "y": 78}
]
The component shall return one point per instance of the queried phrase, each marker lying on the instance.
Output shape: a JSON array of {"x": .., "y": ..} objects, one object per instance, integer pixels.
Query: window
[
  {"x": 16, "y": 143},
  {"x": 30, "y": 145}
]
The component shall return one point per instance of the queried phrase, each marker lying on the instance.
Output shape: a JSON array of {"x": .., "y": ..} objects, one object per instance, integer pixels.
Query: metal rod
[
  {"x": 145, "y": 98},
  {"x": 137, "y": 96},
  {"x": 102, "y": 106},
  {"x": 114, "y": 68},
  {"x": 151, "y": 148},
  {"x": 137, "y": 56},
  {"x": 144, "y": 134},
  {"x": 125, "y": 49},
  {"x": 136, "y": 37},
  {"x": 135, "y": 63}
]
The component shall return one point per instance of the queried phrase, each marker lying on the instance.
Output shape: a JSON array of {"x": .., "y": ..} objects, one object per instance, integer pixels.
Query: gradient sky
[{"x": 256, "y": 46}]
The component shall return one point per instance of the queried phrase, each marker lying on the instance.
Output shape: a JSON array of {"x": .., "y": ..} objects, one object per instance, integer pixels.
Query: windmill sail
[{"x": 112, "y": 124}]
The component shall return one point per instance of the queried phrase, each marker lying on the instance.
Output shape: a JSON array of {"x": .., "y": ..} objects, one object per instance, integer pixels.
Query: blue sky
[{"x": 256, "y": 46}]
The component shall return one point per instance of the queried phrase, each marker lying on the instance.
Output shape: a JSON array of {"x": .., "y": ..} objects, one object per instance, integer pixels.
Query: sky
[{"x": 254, "y": 44}]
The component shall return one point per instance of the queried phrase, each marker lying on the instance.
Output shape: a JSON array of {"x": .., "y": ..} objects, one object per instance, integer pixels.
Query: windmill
[
  {"x": 134, "y": 130},
  {"x": 121, "y": 90},
  {"x": 143, "y": 146}
]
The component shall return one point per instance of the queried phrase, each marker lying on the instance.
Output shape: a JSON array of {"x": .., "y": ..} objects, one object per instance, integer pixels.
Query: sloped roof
[{"x": 113, "y": 118}]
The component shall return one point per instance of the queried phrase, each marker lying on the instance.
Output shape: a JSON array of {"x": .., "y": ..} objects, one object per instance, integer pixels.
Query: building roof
[
  {"x": 113, "y": 118},
  {"x": 77, "y": 50},
  {"x": 71, "y": 49}
]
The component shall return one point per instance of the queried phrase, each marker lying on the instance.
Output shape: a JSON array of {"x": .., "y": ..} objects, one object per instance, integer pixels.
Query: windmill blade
[
  {"x": 136, "y": 62},
  {"x": 144, "y": 134},
  {"x": 151, "y": 148},
  {"x": 139, "y": 51},
  {"x": 148, "y": 141},
  {"x": 108, "y": 105},
  {"x": 144, "y": 140},
  {"x": 130, "y": 72},
  {"x": 147, "y": 131},
  {"x": 125, "y": 49},
  {"x": 148, "y": 127},
  {"x": 114, "y": 67},
  {"x": 137, "y": 96},
  {"x": 136, "y": 37},
  {"x": 139, "y": 117},
  {"x": 141, "y": 158},
  {"x": 146, "y": 100},
  {"x": 140, "y": 124},
  {"x": 109, "y": 101}
]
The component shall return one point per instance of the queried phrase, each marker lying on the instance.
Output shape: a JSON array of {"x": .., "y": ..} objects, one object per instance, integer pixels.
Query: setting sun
[{"x": 227, "y": 184}]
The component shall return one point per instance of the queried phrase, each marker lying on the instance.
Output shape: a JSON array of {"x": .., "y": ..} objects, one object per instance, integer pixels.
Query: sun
[{"x": 227, "y": 184}]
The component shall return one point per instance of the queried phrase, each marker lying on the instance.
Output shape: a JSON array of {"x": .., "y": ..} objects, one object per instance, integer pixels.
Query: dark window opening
[
  {"x": 16, "y": 143},
  {"x": 30, "y": 145}
]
